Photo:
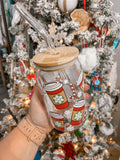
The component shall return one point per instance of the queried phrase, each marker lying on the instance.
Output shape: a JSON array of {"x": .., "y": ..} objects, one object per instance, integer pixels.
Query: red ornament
[
  {"x": 85, "y": 45},
  {"x": 23, "y": 45},
  {"x": 69, "y": 150},
  {"x": 30, "y": 76},
  {"x": 22, "y": 66}
]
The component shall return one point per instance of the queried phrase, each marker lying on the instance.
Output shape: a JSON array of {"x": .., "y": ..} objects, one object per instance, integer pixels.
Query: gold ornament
[
  {"x": 24, "y": 88},
  {"x": 82, "y": 17}
]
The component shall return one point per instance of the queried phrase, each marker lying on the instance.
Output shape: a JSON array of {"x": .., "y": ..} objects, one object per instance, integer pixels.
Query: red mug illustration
[
  {"x": 57, "y": 95},
  {"x": 58, "y": 121},
  {"x": 78, "y": 111}
]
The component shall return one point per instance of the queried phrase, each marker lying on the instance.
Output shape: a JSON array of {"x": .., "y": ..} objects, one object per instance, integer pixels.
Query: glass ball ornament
[
  {"x": 60, "y": 79},
  {"x": 67, "y": 5}
]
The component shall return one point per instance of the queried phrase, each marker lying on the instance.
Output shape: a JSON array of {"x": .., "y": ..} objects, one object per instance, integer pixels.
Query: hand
[{"x": 38, "y": 113}]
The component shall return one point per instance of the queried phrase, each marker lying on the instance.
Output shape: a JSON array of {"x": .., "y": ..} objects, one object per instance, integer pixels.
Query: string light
[
  {"x": 93, "y": 105},
  {"x": 14, "y": 123},
  {"x": 32, "y": 70},
  {"x": 102, "y": 139},
  {"x": 111, "y": 141},
  {"x": 76, "y": 146},
  {"x": 86, "y": 131},
  {"x": 61, "y": 41},
  {"x": 9, "y": 117},
  {"x": 106, "y": 152},
  {"x": 109, "y": 84},
  {"x": 60, "y": 150},
  {"x": 97, "y": 122},
  {"x": 27, "y": 102},
  {"x": 93, "y": 140}
]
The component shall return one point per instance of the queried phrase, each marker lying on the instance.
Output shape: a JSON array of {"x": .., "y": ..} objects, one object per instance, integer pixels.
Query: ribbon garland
[{"x": 84, "y": 4}]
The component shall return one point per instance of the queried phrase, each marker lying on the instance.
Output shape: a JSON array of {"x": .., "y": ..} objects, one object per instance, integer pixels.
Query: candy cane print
[{"x": 73, "y": 90}]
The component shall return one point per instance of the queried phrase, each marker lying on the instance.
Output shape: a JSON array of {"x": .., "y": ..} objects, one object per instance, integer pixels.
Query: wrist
[{"x": 31, "y": 131}]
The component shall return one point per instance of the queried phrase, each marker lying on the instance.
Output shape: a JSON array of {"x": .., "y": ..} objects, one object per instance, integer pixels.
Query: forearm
[
  {"x": 22, "y": 143},
  {"x": 17, "y": 147}
]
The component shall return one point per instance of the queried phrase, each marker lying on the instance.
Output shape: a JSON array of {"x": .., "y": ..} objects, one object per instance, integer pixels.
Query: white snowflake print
[
  {"x": 58, "y": 124},
  {"x": 58, "y": 99},
  {"x": 78, "y": 116}
]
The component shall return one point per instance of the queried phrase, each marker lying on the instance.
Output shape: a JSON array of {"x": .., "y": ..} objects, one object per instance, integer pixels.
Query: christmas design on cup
[
  {"x": 58, "y": 121},
  {"x": 85, "y": 116},
  {"x": 57, "y": 95},
  {"x": 80, "y": 81},
  {"x": 78, "y": 111}
]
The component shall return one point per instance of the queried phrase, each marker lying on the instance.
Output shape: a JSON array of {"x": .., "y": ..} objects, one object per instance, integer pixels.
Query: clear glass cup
[{"x": 63, "y": 90}]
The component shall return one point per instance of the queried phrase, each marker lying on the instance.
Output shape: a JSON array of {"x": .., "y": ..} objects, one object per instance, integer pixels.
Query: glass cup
[{"x": 63, "y": 90}]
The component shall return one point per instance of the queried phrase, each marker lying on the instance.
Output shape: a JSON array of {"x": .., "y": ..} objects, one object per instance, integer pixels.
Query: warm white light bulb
[
  {"x": 93, "y": 140},
  {"x": 76, "y": 146}
]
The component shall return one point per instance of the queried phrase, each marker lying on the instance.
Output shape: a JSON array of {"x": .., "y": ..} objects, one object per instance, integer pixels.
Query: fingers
[
  {"x": 86, "y": 87},
  {"x": 87, "y": 96}
]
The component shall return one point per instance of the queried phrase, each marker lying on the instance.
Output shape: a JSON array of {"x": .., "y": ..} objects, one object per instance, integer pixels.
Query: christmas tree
[{"x": 93, "y": 28}]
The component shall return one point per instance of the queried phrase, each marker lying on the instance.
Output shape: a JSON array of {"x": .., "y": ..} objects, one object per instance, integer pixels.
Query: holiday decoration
[
  {"x": 96, "y": 82},
  {"x": 36, "y": 25},
  {"x": 67, "y": 5},
  {"x": 22, "y": 66},
  {"x": 88, "y": 59},
  {"x": 84, "y": 4},
  {"x": 69, "y": 152},
  {"x": 106, "y": 129},
  {"x": 105, "y": 103},
  {"x": 94, "y": 7},
  {"x": 82, "y": 17},
  {"x": 115, "y": 43}
]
